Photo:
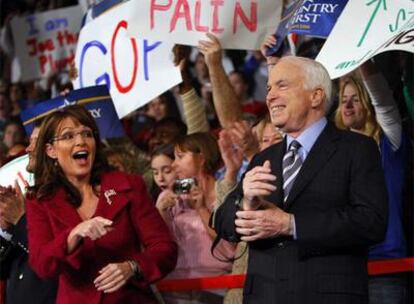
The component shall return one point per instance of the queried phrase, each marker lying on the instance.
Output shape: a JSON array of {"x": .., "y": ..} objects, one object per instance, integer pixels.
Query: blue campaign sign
[
  {"x": 317, "y": 17},
  {"x": 308, "y": 17},
  {"x": 283, "y": 28},
  {"x": 95, "y": 99}
]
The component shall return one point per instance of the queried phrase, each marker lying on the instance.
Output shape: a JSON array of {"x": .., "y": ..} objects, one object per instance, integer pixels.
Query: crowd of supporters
[{"x": 209, "y": 127}]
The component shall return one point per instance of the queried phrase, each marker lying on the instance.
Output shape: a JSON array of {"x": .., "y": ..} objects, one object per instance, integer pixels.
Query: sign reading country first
[{"x": 45, "y": 43}]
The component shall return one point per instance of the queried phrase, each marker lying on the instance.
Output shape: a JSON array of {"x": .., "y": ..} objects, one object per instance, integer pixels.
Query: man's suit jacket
[
  {"x": 138, "y": 233},
  {"x": 339, "y": 201},
  {"x": 23, "y": 285}
]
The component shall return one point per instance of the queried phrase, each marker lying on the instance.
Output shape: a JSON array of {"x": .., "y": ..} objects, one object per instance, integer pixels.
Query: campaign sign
[
  {"x": 367, "y": 28},
  {"x": 16, "y": 170},
  {"x": 95, "y": 99},
  {"x": 284, "y": 26},
  {"x": 239, "y": 24},
  {"x": 316, "y": 17},
  {"x": 45, "y": 43},
  {"x": 135, "y": 69}
]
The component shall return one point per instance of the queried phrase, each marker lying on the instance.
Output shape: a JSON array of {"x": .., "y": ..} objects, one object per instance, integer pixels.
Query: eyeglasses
[{"x": 70, "y": 136}]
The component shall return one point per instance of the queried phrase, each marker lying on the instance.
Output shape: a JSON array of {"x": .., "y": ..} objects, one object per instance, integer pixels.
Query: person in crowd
[
  {"x": 16, "y": 96},
  {"x": 14, "y": 133},
  {"x": 368, "y": 107},
  {"x": 266, "y": 133},
  {"x": 5, "y": 111},
  {"x": 197, "y": 157},
  {"x": 166, "y": 131},
  {"x": 164, "y": 176},
  {"x": 94, "y": 230},
  {"x": 162, "y": 106},
  {"x": 23, "y": 285},
  {"x": 242, "y": 87},
  {"x": 124, "y": 156},
  {"x": 310, "y": 206}
]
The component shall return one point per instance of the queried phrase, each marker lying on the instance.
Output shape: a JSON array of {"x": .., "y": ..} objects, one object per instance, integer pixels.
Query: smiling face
[
  {"x": 270, "y": 137},
  {"x": 163, "y": 172},
  {"x": 352, "y": 110},
  {"x": 292, "y": 108},
  {"x": 74, "y": 148}
]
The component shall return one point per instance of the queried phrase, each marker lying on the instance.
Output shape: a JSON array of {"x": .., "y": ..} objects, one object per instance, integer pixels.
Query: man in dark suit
[
  {"x": 310, "y": 206},
  {"x": 23, "y": 285}
]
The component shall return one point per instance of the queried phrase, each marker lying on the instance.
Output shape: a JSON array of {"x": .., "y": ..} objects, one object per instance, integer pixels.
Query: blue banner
[
  {"x": 317, "y": 17},
  {"x": 308, "y": 17},
  {"x": 284, "y": 26},
  {"x": 95, "y": 99}
]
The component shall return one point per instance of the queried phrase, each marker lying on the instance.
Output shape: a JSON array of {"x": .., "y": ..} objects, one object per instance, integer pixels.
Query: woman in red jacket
[{"x": 94, "y": 230}]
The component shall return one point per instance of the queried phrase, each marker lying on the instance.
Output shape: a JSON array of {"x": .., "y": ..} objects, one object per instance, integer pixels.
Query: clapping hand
[
  {"x": 12, "y": 206},
  {"x": 257, "y": 183}
]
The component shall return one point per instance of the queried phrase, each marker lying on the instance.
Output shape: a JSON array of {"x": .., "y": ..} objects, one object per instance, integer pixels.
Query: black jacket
[
  {"x": 339, "y": 201},
  {"x": 23, "y": 285}
]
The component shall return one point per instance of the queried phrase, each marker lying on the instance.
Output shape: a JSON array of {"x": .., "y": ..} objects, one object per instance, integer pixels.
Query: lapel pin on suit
[{"x": 108, "y": 194}]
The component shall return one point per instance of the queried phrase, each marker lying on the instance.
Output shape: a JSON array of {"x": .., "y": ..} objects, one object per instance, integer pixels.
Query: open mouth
[
  {"x": 277, "y": 108},
  {"x": 81, "y": 157}
]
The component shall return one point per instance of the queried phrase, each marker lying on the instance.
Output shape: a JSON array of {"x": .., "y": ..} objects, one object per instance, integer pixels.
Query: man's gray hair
[{"x": 316, "y": 76}]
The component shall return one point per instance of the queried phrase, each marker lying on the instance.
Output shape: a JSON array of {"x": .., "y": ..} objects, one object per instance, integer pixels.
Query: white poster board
[
  {"x": 46, "y": 42},
  {"x": 16, "y": 170},
  {"x": 135, "y": 70},
  {"x": 367, "y": 28},
  {"x": 240, "y": 24}
]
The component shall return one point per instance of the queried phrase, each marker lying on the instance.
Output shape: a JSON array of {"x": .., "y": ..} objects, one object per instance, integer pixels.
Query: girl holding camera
[{"x": 197, "y": 158}]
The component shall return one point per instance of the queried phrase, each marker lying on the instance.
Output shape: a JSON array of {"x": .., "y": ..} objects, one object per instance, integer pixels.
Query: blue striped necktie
[{"x": 291, "y": 166}]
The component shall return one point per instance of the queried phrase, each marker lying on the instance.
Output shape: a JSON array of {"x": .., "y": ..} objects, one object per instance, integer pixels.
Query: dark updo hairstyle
[{"x": 48, "y": 176}]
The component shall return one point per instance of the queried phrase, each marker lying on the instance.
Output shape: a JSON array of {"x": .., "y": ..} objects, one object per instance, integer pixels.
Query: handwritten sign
[
  {"x": 134, "y": 69},
  {"x": 367, "y": 28},
  {"x": 46, "y": 42},
  {"x": 16, "y": 170},
  {"x": 240, "y": 24}
]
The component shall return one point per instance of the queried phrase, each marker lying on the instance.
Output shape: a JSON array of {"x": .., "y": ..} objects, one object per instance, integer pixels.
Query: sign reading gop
[
  {"x": 45, "y": 43},
  {"x": 367, "y": 28},
  {"x": 240, "y": 24},
  {"x": 135, "y": 69}
]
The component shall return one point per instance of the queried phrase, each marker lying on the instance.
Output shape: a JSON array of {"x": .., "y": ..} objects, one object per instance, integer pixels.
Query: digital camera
[{"x": 184, "y": 185}]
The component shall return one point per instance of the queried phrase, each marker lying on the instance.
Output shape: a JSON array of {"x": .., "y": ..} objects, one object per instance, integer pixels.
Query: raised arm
[
  {"x": 383, "y": 101},
  {"x": 228, "y": 107},
  {"x": 194, "y": 109}
]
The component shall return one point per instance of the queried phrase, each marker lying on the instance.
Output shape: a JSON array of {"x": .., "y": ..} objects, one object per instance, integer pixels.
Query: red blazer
[{"x": 137, "y": 224}]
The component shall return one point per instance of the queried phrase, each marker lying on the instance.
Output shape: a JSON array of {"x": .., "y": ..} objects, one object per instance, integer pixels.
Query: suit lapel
[
  {"x": 320, "y": 153},
  {"x": 62, "y": 210},
  {"x": 113, "y": 197}
]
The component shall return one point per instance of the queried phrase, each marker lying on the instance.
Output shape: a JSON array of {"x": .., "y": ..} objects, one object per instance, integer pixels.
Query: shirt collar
[{"x": 309, "y": 136}]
